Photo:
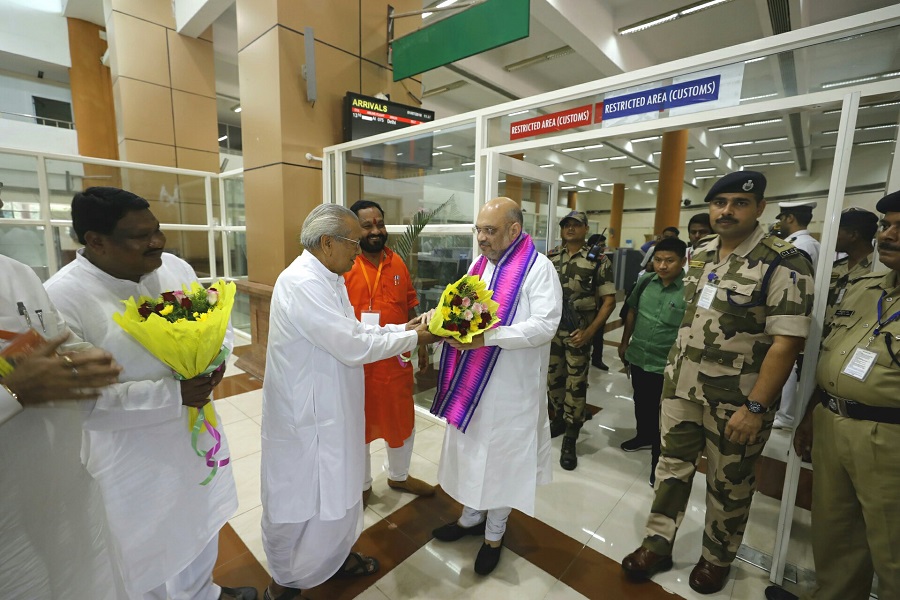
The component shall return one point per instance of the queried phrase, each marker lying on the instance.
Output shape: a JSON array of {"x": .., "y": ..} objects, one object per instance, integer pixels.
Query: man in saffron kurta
[
  {"x": 312, "y": 421},
  {"x": 496, "y": 455},
  {"x": 381, "y": 292}
]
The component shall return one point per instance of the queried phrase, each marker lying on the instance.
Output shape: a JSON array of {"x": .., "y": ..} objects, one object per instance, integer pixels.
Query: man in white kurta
[
  {"x": 138, "y": 444},
  {"x": 504, "y": 454},
  {"x": 53, "y": 531},
  {"x": 313, "y": 428}
]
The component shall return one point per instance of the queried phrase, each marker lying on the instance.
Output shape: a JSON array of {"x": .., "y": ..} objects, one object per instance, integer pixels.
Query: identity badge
[
  {"x": 707, "y": 295},
  {"x": 860, "y": 364},
  {"x": 371, "y": 317}
]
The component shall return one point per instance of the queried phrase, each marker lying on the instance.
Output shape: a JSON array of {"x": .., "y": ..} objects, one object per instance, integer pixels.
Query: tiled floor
[{"x": 586, "y": 521}]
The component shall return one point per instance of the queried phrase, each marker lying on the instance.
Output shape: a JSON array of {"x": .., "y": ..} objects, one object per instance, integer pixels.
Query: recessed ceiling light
[
  {"x": 757, "y": 165},
  {"x": 598, "y": 159},
  {"x": 567, "y": 187},
  {"x": 758, "y": 97},
  {"x": 646, "y": 139},
  {"x": 844, "y": 82},
  {"x": 757, "y": 59},
  {"x": 618, "y": 158},
  {"x": 447, "y": 169},
  {"x": 724, "y": 127},
  {"x": 763, "y": 122},
  {"x": 593, "y": 146},
  {"x": 223, "y": 138},
  {"x": 651, "y": 181},
  {"x": 872, "y": 143},
  {"x": 638, "y": 167},
  {"x": 236, "y": 108},
  {"x": 704, "y": 169},
  {"x": 874, "y": 127},
  {"x": 774, "y": 139},
  {"x": 701, "y": 160},
  {"x": 746, "y": 155},
  {"x": 731, "y": 144},
  {"x": 573, "y": 149},
  {"x": 781, "y": 162},
  {"x": 518, "y": 112},
  {"x": 467, "y": 164},
  {"x": 501, "y": 181},
  {"x": 436, "y": 153},
  {"x": 444, "y": 146},
  {"x": 546, "y": 166},
  {"x": 587, "y": 179},
  {"x": 570, "y": 173},
  {"x": 775, "y": 153}
]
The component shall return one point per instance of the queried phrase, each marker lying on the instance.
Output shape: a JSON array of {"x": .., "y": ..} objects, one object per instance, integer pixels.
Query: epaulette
[
  {"x": 554, "y": 251},
  {"x": 782, "y": 247},
  {"x": 841, "y": 261}
]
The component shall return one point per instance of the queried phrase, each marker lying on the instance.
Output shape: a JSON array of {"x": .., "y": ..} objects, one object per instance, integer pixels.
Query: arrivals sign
[{"x": 558, "y": 121}]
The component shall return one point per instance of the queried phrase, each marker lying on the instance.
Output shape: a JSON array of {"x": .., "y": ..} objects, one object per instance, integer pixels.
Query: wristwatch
[{"x": 755, "y": 407}]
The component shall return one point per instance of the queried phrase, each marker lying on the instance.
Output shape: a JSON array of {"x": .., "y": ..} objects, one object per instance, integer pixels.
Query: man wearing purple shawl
[{"x": 493, "y": 391}]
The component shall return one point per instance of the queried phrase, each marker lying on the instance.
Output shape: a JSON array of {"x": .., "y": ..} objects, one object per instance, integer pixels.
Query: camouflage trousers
[
  {"x": 567, "y": 376},
  {"x": 689, "y": 429}
]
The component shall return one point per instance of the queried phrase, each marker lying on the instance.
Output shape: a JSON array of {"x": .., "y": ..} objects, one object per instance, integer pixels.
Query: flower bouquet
[
  {"x": 465, "y": 310},
  {"x": 185, "y": 329}
]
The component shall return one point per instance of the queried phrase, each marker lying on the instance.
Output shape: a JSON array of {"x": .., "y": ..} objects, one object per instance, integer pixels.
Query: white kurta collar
[{"x": 120, "y": 287}]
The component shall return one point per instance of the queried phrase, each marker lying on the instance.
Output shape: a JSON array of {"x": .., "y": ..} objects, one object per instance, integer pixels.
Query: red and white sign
[{"x": 558, "y": 121}]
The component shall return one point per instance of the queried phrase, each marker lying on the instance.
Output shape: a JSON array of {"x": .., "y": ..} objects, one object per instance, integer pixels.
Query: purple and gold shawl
[{"x": 464, "y": 375}]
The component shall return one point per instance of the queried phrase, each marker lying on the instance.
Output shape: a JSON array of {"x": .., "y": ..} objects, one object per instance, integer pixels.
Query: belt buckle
[{"x": 838, "y": 406}]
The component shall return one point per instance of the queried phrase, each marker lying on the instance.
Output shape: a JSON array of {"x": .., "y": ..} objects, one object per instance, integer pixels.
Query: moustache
[
  {"x": 724, "y": 220},
  {"x": 889, "y": 247}
]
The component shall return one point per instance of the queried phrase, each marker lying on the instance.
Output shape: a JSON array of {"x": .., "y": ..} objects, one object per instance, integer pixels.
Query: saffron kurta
[
  {"x": 138, "y": 445},
  {"x": 53, "y": 532},
  {"x": 313, "y": 443},
  {"x": 389, "y": 383},
  {"x": 505, "y": 452}
]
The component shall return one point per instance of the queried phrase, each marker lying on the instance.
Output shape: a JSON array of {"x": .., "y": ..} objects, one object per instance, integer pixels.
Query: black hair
[
  {"x": 363, "y": 204},
  {"x": 700, "y": 219},
  {"x": 671, "y": 245},
  {"x": 673, "y": 230},
  {"x": 803, "y": 217},
  {"x": 864, "y": 228},
  {"x": 99, "y": 209}
]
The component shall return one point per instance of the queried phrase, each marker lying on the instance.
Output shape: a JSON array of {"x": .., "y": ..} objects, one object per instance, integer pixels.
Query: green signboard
[{"x": 472, "y": 31}]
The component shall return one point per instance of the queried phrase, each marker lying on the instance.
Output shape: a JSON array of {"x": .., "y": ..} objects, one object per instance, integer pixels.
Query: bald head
[{"x": 498, "y": 225}]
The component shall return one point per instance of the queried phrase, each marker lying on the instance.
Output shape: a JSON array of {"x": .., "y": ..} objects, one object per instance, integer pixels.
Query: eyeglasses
[
  {"x": 348, "y": 240},
  {"x": 488, "y": 231}
]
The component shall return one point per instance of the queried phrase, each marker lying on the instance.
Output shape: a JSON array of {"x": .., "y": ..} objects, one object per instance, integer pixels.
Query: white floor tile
[
  {"x": 373, "y": 593},
  {"x": 247, "y": 527},
  {"x": 561, "y": 591},
  {"x": 228, "y": 412},
  {"x": 244, "y": 438},
  {"x": 246, "y": 477},
  {"x": 249, "y": 403}
]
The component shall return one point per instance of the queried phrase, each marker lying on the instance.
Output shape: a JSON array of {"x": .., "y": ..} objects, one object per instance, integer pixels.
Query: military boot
[{"x": 567, "y": 459}]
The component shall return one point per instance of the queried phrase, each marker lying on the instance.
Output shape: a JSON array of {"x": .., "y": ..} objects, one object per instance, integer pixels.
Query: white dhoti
[{"x": 303, "y": 555}]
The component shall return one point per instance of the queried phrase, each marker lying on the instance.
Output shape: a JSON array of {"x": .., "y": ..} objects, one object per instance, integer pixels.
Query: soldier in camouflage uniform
[
  {"x": 749, "y": 297},
  {"x": 588, "y": 300}
]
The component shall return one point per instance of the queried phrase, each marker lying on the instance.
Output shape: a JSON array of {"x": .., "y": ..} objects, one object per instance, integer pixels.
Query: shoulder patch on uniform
[
  {"x": 696, "y": 264},
  {"x": 554, "y": 251},
  {"x": 785, "y": 249}
]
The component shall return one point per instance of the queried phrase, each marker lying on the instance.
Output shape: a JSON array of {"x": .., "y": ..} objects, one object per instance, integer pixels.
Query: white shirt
[
  {"x": 138, "y": 445},
  {"x": 313, "y": 422},
  {"x": 505, "y": 452},
  {"x": 53, "y": 531},
  {"x": 804, "y": 241}
]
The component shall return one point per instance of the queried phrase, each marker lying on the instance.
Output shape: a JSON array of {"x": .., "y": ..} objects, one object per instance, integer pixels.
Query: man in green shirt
[{"x": 654, "y": 314}]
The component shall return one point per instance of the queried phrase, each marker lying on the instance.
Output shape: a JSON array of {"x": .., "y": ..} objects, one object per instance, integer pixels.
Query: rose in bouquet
[
  {"x": 465, "y": 310},
  {"x": 185, "y": 329}
]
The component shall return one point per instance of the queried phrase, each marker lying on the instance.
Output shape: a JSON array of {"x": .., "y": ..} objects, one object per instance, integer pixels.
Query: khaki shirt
[
  {"x": 582, "y": 281},
  {"x": 842, "y": 276},
  {"x": 852, "y": 326},
  {"x": 719, "y": 350}
]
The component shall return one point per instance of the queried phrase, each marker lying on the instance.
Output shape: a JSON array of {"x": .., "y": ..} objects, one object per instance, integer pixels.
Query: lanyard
[
  {"x": 365, "y": 273},
  {"x": 890, "y": 319}
]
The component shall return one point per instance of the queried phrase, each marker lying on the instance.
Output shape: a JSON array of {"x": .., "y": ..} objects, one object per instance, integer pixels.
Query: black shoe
[
  {"x": 653, "y": 478},
  {"x": 635, "y": 444},
  {"x": 600, "y": 365},
  {"x": 239, "y": 593},
  {"x": 773, "y": 592},
  {"x": 557, "y": 427},
  {"x": 567, "y": 459},
  {"x": 487, "y": 559},
  {"x": 454, "y": 531}
]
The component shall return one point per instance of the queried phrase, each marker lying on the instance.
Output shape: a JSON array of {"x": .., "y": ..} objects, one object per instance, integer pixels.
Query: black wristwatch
[{"x": 755, "y": 407}]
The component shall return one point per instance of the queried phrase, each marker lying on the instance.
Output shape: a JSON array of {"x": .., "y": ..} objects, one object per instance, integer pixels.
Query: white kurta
[
  {"x": 313, "y": 433},
  {"x": 138, "y": 445},
  {"x": 505, "y": 452},
  {"x": 803, "y": 240},
  {"x": 53, "y": 532}
]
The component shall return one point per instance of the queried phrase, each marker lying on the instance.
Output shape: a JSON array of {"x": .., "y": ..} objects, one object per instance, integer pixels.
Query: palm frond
[{"x": 403, "y": 245}]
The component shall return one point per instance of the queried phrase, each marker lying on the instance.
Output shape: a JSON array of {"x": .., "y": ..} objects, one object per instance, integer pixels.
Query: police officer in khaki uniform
[
  {"x": 856, "y": 421},
  {"x": 588, "y": 300},
  {"x": 855, "y": 234},
  {"x": 748, "y": 298}
]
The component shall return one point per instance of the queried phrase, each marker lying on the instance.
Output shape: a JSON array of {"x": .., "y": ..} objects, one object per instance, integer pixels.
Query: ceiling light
[
  {"x": 704, "y": 169},
  {"x": 872, "y": 143},
  {"x": 706, "y": 177},
  {"x": 444, "y": 146},
  {"x": 567, "y": 187},
  {"x": 573, "y": 149},
  {"x": 399, "y": 154},
  {"x": 467, "y": 164},
  {"x": 236, "y": 108},
  {"x": 828, "y": 147},
  {"x": 540, "y": 58},
  {"x": 436, "y": 153},
  {"x": 602, "y": 184},
  {"x": 746, "y": 155},
  {"x": 763, "y": 122},
  {"x": 501, "y": 181},
  {"x": 781, "y": 162},
  {"x": 593, "y": 146},
  {"x": 758, "y": 97},
  {"x": 518, "y": 112},
  {"x": 638, "y": 167},
  {"x": 844, "y": 82},
  {"x": 598, "y": 159},
  {"x": 757, "y": 59},
  {"x": 776, "y": 153},
  {"x": 830, "y": 132},
  {"x": 657, "y": 152},
  {"x": 701, "y": 6},
  {"x": 873, "y": 127},
  {"x": 757, "y": 165},
  {"x": 700, "y": 160},
  {"x": 646, "y": 139},
  {"x": 724, "y": 127},
  {"x": 447, "y": 169},
  {"x": 546, "y": 166},
  {"x": 223, "y": 138},
  {"x": 618, "y": 158},
  {"x": 570, "y": 173},
  {"x": 648, "y": 24},
  {"x": 587, "y": 179},
  {"x": 775, "y": 139},
  {"x": 651, "y": 181},
  {"x": 443, "y": 88},
  {"x": 730, "y": 144}
]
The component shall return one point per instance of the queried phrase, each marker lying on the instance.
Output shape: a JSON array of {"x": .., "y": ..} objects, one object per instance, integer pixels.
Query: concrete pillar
[
  {"x": 671, "y": 180},
  {"x": 572, "y": 199},
  {"x": 614, "y": 240}
]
